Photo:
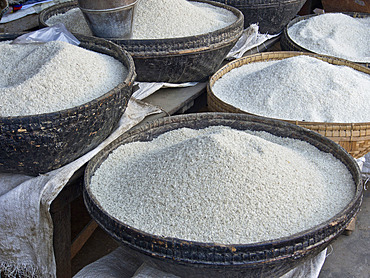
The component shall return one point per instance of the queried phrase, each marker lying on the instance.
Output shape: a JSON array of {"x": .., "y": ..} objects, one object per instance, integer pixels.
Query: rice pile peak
[
  {"x": 161, "y": 19},
  {"x": 50, "y": 77},
  {"x": 221, "y": 185},
  {"x": 334, "y": 34},
  {"x": 298, "y": 88},
  {"x": 156, "y": 19}
]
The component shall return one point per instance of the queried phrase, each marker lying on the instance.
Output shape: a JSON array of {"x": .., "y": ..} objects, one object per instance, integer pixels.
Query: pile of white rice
[
  {"x": 159, "y": 19},
  {"x": 50, "y": 77},
  {"x": 299, "y": 88},
  {"x": 222, "y": 185},
  {"x": 334, "y": 34}
]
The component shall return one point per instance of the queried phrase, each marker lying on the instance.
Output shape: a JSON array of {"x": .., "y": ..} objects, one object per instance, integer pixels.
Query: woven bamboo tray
[
  {"x": 174, "y": 60},
  {"x": 40, "y": 143},
  {"x": 201, "y": 259},
  {"x": 354, "y": 137},
  {"x": 288, "y": 44}
]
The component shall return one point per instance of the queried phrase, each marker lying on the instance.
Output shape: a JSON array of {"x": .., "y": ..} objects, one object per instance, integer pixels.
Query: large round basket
[
  {"x": 198, "y": 259},
  {"x": 40, "y": 143},
  {"x": 354, "y": 137},
  {"x": 288, "y": 44},
  {"x": 270, "y": 15},
  {"x": 174, "y": 60}
]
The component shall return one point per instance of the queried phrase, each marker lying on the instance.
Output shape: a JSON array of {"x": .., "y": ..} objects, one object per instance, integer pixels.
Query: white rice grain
[
  {"x": 298, "y": 88},
  {"x": 160, "y": 19},
  {"x": 50, "y": 77},
  {"x": 222, "y": 185},
  {"x": 334, "y": 34}
]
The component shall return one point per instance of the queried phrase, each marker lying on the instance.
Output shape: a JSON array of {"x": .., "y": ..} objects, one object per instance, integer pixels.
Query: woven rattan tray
[
  {"x": 288, "y": 44},
  {"x": 173, "y": 60},
  {"x": 201, "y": 259},
  {"x": 354, "y": 137}
]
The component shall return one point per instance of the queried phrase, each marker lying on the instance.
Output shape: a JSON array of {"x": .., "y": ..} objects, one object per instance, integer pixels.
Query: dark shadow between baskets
[
  {"x": 174, "y": 60},
  {"x": 40, "y": 143},
  {"x": 288, "y": 44},
  {"x": 198, "y": 259}
]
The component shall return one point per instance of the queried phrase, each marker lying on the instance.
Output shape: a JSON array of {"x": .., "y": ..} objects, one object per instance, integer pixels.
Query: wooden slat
[{"x": 82, "y": 237}]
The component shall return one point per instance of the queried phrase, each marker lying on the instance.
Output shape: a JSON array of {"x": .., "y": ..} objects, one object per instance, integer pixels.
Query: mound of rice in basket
[
  {"x": 160, "y": 19},
  {"x": 300, "y": 88},
  {"x": 221, "y": 185},
  {"x": 53, "y": 76},
  {"x": 334, "y": 34}
]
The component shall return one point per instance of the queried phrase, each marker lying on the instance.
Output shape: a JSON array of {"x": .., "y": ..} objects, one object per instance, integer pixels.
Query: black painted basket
[
  {"x": 175, "y": 60},
  {"x": 40, "y": 143},
  {"x": 197, "y": 259},
  {"x": 288, "y": 44},
  {"x": 271, "y": 15}
]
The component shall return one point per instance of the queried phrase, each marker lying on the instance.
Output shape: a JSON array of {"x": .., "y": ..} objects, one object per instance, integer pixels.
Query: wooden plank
[
  {"x": 173, "y": 100},
  {"x": 22, "y": 24},
  {"x": 82, "y": 237},
  {"x": 62, "y": 241}
]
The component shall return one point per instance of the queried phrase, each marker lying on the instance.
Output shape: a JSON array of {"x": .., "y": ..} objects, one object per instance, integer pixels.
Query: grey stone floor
[{"x": 348, "y": 256}]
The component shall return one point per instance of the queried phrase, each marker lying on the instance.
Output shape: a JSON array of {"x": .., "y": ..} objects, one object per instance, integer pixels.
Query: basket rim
[
  {"x": 129, "y": 79},
  {"x": 160, "y": 123},
  {"x": 181, "y": 43},
  {"x": 279, "y": 56},
  {"x": 286, "y": 36}
]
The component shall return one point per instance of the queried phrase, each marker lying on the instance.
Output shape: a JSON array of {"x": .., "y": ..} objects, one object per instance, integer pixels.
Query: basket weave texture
[
  {"x": 198, "y": 259},
  {"x": 288, "y": 44},
  {"x": 174, "y": 60},
  {"x": 270, "y": 15},
  {"x": 40, "y": 143},
  {"x": 353, "y": 137}
]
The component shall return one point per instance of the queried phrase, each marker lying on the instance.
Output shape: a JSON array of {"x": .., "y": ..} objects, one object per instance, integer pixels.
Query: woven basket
[
  {"x": 354, "y": 137},
  {"x": 288, "y": 44},
  {"x": 271, "y": 15},
  {"x": 41, "y": 143},
  {"x": 174, "y": 60},
  {"x": 197, "y": 259}
]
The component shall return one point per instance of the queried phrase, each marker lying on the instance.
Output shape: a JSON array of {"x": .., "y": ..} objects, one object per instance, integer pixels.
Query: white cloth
[
  {"x": 250, "y": 38},
  {"x": 148, "y": 88},
  {"x": 26, "y": 237},
  {"x": 121, "y": 263}
]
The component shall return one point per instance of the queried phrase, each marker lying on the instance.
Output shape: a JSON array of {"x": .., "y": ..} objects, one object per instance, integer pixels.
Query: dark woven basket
[
  {"x": 271, "y": 15},
  {"x": 174, "y": 60},
  {"x": 288, "y": 44},
  {"x": 196, "y": 259},
  {"x": 40, "y": 143}
]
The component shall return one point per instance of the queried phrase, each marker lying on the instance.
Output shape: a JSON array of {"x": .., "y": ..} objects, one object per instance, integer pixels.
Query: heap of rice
[
  {"x": 159, "y": 19},
  {"x": 50, "y": 77},
  {"x": 221, "y": 185},
  {"x": 334, "y": 34},
  {"x": 298, "y": 88}
]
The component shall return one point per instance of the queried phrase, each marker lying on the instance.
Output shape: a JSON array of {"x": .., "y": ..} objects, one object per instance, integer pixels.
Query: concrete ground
[{"x": 348, "y": 256}]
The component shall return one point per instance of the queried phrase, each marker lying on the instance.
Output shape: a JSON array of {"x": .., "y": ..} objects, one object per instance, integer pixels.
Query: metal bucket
[{"x": 109, "y": 19}]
